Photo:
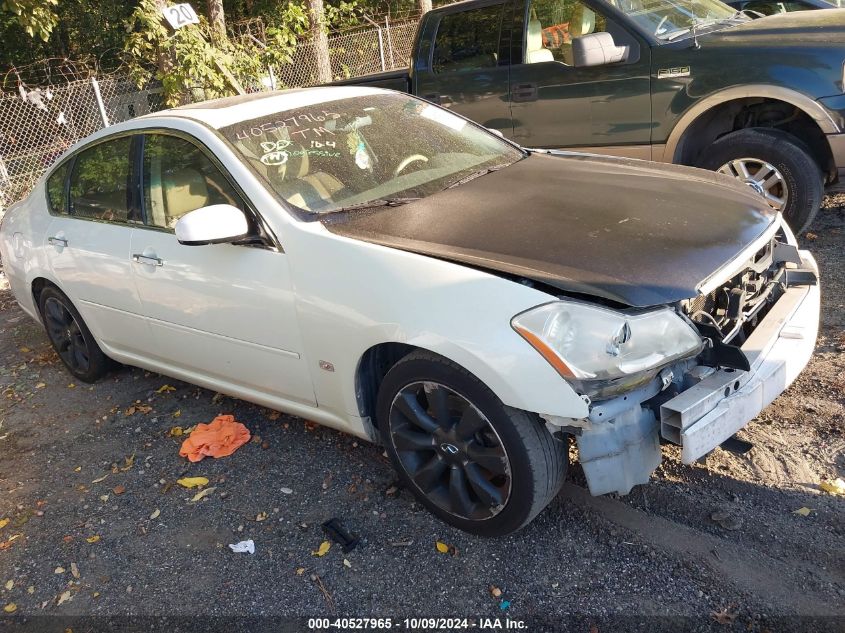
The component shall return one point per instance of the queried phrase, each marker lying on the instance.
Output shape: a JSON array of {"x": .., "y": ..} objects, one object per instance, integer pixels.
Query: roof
[{"x": 219, "y": 113}]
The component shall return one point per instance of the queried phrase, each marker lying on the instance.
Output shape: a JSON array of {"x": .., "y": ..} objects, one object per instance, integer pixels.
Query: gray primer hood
[{"x": 623, "y": 230}]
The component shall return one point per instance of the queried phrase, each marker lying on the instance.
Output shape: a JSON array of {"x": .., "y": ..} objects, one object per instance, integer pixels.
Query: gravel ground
[{"x": 98, "y": 527}]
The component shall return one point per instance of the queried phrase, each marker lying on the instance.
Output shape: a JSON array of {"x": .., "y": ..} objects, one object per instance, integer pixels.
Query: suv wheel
[
  {"x": 70, "y": 337},
  {"x": 776, "y": 165},
  {"x": 477, "y": 464}
]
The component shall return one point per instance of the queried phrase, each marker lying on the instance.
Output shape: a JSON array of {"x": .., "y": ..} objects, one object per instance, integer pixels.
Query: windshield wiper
[
  {"x": 673, "y": 35},
  {"x": 474, "y": 175},
  {"x": 374, "y": 204}
]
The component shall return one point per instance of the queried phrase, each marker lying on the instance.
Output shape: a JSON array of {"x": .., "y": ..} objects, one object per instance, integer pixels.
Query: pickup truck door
[
  {"x": 555, "y": 104},
  {"x": 463, "y": 63}
]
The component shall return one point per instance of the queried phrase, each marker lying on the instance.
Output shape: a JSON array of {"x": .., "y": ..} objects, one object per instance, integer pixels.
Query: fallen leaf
[
  {"x": 802, "y": 511},
  {"x": 9, "y": 585},
  {"x": 10, "y": 608},
  {"x": 74, "y": 570},
  {"x": 165, "y": 389},
  {"x": 78, "y": 469},
  {"x": 192, "y": 482},
  {"x": 176, "y": 431},
  {"x": 119, "y": 489},
  {"x": 261, "y": 516},
  {"x": 155, "y": 514},
  {"x": 59, "y": 570},
  {"x": 723, "y": 617},
  {"x": 346, "y": 563},
  {"x": 71, "y": 386},
  {"x": 495, "y": 591},
  {"x": 25, "y": 350},
  {"x": 324, "y": 548},
  {"x": 104, "y": 498},
  {"x": 93, "y": 539},
  {"x": 64, "y": 597},
  {"x": 3, "y": 523},
  {"x": 205, "y": 492},
  {"x": 442, "y": 547},
  {"x": 835, "y": 487},
  {"x": 41, "y": 385},
  {"x": 128, "y": 462},
  {"x": 273, "y": 415},
  {"x": 30, "y": 590},
  {"x": 138, "y": 408},
  {"x": 68, "y": 539},
  {"x": 103, "y": 478},
  {"x": 177, "y": 413},
  {"x": 811, "y": 236},
  {"x": 300, "y": 571}
]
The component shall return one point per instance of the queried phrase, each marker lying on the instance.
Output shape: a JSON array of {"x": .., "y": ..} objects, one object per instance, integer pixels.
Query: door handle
[
  {"x": 150, "y": 260},
  {"x": 57, "y": 241},
  {"x": 520, "y": 93}
]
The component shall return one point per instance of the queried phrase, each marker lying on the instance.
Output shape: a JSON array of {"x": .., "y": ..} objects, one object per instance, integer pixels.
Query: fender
[{"x": 766, "y": 91}]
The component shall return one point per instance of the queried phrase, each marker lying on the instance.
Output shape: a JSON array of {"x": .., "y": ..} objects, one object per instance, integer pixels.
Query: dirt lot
[{"x": 97, "y": 526}]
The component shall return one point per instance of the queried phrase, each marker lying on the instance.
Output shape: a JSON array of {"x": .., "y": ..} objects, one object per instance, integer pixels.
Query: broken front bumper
[
  {"x": 619, "y": 443},
  {"x": 708, "y": 413}
]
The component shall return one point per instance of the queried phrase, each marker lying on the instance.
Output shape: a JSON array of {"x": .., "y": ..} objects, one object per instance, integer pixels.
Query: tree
[
  {"x": 37, "y": 17},
  {"x": 317, "y": 16},
  {"x": 424, "y": 5},
  {"x": 217, "y": 21}
]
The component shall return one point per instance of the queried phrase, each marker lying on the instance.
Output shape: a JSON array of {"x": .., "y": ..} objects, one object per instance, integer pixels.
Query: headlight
[{"x": 602, "y": 351}]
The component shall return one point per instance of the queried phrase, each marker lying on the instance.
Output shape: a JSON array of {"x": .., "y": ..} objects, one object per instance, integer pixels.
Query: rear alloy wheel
[
  {"x": 70, "y": 337},
  {"x": 476, "y": 463},
  {"x": 776, "y": 165}
]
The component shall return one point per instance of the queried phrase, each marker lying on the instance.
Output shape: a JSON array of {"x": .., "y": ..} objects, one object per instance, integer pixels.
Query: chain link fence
[{"x": 37, "y": 124}]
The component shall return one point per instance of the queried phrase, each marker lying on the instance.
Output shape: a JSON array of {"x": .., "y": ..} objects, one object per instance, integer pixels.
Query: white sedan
[{"x": 380, "y": 265}]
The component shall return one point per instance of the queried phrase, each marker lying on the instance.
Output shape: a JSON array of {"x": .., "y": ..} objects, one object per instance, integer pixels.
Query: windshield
[
  {"x": 379, "y": 149},
  {"x": 668, "y": 19}
]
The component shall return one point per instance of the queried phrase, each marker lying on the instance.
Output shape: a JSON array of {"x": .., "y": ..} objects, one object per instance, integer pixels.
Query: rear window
[
  {"x": 467, "y": 40},
  {"x": 56, "y": 190}
]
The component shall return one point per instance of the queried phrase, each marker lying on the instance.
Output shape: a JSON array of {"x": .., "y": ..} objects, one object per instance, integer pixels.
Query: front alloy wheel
[
  {"x": 450, "y": 450},
  {"x": 762, "y": 177},
  {"x": 474, "y": 462}
]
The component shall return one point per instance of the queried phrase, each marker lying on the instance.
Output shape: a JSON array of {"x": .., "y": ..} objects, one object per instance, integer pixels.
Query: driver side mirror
[
  {"x": 597, "y": 49},
  {"x": 215, "y": 224}
]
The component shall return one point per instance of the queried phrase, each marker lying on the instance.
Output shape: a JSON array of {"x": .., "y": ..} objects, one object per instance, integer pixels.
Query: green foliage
[
  {"x": 36, "y": 17},
  {"x": 184, "y": 61}
]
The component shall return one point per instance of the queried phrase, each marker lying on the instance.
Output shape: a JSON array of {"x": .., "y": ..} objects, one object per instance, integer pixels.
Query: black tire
[
  {"x": 70, "y": 337},
  {"x": 534, "y": 463},
  {"x": 791, "y": 157}
]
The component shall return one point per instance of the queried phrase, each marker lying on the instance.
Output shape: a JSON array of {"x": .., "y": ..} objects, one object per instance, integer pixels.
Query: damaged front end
[{"x": 758, "y": 319}]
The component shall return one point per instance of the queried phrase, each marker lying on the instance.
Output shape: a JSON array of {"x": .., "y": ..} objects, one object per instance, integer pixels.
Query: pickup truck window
[
  {"x": 468, "y": 39},
  {"x": 669, "y": 19},
  {"x": 552, "y": 26},
  {"x": 354, "y": 151}
]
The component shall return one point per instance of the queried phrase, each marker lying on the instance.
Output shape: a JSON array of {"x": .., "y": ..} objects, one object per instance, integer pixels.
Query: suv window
[
  {"x": 468, "y": 39},
  {"x": 99, "y": 183},
  {"x": 56, "y": 190},
  {"x": 553, "y": 24},
  {"x": 179, "y": 178}
]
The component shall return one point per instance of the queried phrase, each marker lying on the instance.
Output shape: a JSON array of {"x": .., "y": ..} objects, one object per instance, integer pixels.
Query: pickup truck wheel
[
  {"x": 776, "y": 165},
  {"x": 477, "y": 464},
  {"x": 70, "y": 337}
]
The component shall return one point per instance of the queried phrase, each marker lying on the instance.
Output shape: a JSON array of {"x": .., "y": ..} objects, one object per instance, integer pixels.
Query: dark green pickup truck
[{"x": 692, "y": 82}]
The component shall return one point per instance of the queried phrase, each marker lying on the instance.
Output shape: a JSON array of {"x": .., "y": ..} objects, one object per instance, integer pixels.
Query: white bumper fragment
[{"x": 707, "y": 414}]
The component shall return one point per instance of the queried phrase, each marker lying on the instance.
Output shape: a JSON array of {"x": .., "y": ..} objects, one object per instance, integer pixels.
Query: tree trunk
[
  {"x": 217, "y": 20},
  {"x": 165, "y": 62},
  {"x": 425, "y": 6},
  {"x": 320, "y": 40}
]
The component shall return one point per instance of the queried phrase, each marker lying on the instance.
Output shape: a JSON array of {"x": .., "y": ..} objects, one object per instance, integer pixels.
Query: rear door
[
  {"x": 558, "y": 105},
  {"x": 466, "y": 68},
  {"x": 224, "y": 312},
  {"x": 95, "y": 207}
]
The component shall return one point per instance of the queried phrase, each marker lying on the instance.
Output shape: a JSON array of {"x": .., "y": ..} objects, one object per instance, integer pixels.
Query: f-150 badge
[{"x": 672, "y": 73}]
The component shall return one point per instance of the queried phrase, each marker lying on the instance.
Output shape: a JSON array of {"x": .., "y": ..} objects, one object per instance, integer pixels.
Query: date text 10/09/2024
[{"x": 417, "y": 624}]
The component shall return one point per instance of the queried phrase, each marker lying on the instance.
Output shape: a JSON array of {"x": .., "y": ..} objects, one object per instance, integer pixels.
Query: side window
[
  {"x": 99, "y": 183},
  {"x": 179, "y": 178},
  {"x": 56, "y": 190},
  {"x": 553, "y": 24},
  {"x": 467, "y": 40}
]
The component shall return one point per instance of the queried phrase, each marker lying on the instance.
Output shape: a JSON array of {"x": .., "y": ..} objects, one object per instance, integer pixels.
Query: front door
[
  {"x": 556, "y": 104},
  {"x": 225, "y": 312}
]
